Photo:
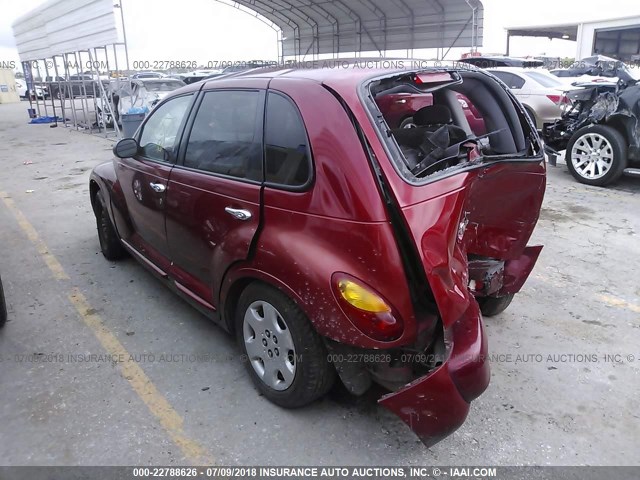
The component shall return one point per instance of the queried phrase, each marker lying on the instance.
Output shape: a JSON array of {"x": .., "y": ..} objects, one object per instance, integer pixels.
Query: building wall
[
  {"x": 587, "y": 32},
  {"x": 8, "y": 92}
]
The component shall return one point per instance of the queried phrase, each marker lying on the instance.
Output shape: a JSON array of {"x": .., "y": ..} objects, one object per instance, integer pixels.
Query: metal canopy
[
  {"x": 567, "y": 31},
  {"x": 314, "y": 27}
]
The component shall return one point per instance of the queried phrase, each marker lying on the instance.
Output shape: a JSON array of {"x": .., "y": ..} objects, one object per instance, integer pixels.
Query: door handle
[
  {"x": 238, "y": 213},
  {"x": 158, "y": 187}
]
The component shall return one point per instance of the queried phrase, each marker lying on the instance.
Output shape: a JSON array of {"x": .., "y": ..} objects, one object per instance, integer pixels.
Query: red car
[{"x": 283, "y": 205}]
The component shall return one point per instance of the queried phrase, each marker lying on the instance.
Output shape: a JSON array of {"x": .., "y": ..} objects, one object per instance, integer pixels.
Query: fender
[{"x": 105, "y": 178}]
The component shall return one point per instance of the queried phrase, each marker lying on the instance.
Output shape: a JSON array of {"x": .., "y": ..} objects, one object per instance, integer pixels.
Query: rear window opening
[{"x": 443, "y": 121}]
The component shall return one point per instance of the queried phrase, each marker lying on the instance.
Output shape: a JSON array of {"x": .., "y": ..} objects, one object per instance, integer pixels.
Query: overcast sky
[{"x": 204, "y": 30}]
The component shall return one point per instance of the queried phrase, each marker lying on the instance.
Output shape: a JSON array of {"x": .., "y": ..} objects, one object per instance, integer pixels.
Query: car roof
[{"x": 343, "y": 72}]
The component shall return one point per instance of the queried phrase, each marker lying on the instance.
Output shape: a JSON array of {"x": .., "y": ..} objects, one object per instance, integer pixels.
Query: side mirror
[{"x": 125, "y": 148}]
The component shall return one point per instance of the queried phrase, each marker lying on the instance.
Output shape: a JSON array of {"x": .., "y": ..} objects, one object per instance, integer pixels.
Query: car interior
[{"x": 443, "y": 137}]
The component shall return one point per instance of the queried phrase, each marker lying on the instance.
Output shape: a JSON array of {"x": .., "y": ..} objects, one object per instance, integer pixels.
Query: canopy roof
[
  {"x": 313, "y": 27},
  {"x": 567, "y": 31}
]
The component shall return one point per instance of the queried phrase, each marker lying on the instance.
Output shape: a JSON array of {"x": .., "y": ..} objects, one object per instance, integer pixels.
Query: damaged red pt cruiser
[{"x": 281, "y": 204}]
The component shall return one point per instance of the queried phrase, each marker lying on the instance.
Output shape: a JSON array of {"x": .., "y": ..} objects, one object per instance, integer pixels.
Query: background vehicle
[
  {"x": 199, "y": 75},
  {"x": 597, "y": 68},
  {"x": 3, "y": 306},
  {"x": 265, "y": 199},
  {"x": 145, "y": 75},
  {"x": 600, "y": 131},
  {"x": 21, "y": 88},
  {"x": 500, "y": 61},
  {"x": 140, "y": 93},
  {"x": 542, "y": 95},
  {"x": 77, "y": 86}
]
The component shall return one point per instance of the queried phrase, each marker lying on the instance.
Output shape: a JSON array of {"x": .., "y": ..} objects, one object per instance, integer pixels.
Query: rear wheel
[
  {"x": 285, "y": 357},
  {"x": 597, "y": 155},
  {"x": 492, "y": 306},
  {"x": 110, "y": 244}
]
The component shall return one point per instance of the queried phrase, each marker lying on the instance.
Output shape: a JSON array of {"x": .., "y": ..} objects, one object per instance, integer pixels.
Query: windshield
[
  {"x": 545, "y": 80},
  {"x": 163, "y": 86}
]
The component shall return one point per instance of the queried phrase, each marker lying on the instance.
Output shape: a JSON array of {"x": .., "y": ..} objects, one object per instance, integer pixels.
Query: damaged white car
[{"x": 137, "y": 95}]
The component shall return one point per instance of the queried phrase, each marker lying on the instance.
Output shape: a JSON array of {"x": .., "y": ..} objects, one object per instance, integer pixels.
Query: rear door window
[
  {"x": 226, "y": 137},
  {"x": 287, "y": 153}
]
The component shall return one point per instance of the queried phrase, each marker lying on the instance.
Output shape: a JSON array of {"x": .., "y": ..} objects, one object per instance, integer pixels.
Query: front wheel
[
  {"x": 597, "y": 155},
  {"x": 110, "y": 244},
  {"x": 492, "y": 306},
  {"x": 284, "y": 355}
]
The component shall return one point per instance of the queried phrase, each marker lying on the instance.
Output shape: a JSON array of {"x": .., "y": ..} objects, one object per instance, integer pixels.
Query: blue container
[
  {"x": 130, "y": 123},
  {"x": 32, "y": 112}
]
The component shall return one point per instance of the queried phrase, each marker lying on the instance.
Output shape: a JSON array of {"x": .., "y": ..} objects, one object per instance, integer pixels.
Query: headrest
[{"x": 433, "y": 115}]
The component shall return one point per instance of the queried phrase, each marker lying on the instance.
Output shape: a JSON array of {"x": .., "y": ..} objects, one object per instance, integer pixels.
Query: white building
[{"x": 618, "y": 38}]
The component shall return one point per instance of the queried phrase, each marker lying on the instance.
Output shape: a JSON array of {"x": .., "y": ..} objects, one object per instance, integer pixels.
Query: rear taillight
[
  {"x": 368, "y": 311},
  {"x": 559, "y": 99}
]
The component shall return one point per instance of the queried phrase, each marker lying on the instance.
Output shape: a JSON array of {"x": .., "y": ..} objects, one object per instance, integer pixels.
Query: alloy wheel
[{"x": 592, "y": 156}]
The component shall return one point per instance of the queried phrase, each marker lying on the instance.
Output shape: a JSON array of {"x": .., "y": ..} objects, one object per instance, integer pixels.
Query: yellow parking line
[
  {"x": 51, "y": 261},
  {"x": 159, "y": 407},
  {"x": 146, "y": 390},
  {"x": 619, "y": 303}
]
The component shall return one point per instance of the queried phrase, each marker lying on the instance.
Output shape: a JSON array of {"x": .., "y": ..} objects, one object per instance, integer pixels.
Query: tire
[
  {"x": 110, "y": 244},
  {"x": 104, "y": 120},
  {"x": 407, "y": 123},
  {"x": 301, "y": 377},
  {"x": 597, "y": 155},
  {"x": 492, "y": 306},
  {"x": 3, "y": 306}
]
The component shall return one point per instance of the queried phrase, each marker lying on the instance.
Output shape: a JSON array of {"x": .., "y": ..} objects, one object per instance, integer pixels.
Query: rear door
[
  {"x": 144, "y": 178},
  {"x": 213, "y": 200}
]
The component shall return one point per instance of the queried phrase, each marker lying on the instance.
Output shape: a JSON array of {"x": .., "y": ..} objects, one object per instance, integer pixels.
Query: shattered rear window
[{"x": 438, "y": 122}]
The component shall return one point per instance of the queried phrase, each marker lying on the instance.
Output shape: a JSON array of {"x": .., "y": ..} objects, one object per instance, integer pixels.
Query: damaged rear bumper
[{"x": 437, "y": 404}]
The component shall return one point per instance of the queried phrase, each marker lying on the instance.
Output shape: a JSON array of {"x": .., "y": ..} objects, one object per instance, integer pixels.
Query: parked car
[
  {"x": 21, "y": 89},
  {"x": 146, "y": 75},
  {"x": 198, "y": 75},
  {"x": 597, "y": 68},
  {"x": 141, "y": 93},
  {"x": 542, "y": 95},
  {"x": 284, "y": 207},
  {"x": 600, "y": 132},
  {"x": 77, "y": 86},
  {"x": 493, "y": 61},
  {"x": 3, "y": 306}
]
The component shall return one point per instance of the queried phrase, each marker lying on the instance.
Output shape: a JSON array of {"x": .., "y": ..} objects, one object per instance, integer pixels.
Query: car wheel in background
[
  {"x": 407, "y": 123},
  {"x": 492, "y": 306},
  {"x": 285, "y": 357},
  {"x": 597, "y": 155},
  {"x": 110, "y": 244}
]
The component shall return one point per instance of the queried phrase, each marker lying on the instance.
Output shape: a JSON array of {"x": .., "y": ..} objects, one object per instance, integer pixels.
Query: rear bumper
[{"x": 437, "y": 404}]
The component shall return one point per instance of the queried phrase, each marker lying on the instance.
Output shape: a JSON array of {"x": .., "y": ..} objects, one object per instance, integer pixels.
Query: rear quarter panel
[{"x": 337, "y": 225}]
